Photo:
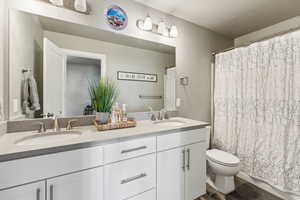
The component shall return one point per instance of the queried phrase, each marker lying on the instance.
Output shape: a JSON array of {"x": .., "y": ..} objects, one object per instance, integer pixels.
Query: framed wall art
[{"x": 133, "y": 76}]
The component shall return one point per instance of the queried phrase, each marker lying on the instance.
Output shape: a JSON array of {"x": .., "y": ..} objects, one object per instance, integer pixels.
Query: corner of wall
[{"x": 3, "y": 127}]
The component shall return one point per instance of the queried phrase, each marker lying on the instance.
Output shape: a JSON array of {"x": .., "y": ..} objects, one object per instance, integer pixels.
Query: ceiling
[{"x": 231, "y": 18}]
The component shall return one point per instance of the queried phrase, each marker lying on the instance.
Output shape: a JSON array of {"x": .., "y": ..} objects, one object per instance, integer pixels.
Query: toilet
[{"x": 224, "y": 166}]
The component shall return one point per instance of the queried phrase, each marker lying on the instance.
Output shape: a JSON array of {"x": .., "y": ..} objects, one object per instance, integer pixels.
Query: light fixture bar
[{"x": 156, "y": 30}]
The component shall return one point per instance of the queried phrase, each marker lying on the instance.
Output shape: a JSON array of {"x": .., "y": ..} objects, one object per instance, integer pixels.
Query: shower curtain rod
[{"x": 260, "y": 40}]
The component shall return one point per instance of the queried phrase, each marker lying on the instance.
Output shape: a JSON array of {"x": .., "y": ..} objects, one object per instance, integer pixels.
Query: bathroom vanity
[{"x": 151, "y": 161}]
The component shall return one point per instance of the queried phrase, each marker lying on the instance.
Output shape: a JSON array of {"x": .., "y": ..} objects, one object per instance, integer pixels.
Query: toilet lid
[{"x": 222, "y": 157}]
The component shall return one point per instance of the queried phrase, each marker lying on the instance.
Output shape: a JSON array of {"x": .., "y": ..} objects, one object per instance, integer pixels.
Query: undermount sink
[
  {"x": 50, "y": 137},
  {"x": 170, "y": 122}
]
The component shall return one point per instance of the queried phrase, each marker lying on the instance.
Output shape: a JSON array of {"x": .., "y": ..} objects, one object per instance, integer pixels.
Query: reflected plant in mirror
[{"x": 103, "y": 94}]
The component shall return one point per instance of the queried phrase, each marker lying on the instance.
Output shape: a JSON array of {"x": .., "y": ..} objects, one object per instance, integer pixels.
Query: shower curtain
[{"x": 257, "y": 109}]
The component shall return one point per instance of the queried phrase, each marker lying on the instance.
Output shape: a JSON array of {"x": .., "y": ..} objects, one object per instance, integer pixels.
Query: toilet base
[{"x": 225, "y": 184}]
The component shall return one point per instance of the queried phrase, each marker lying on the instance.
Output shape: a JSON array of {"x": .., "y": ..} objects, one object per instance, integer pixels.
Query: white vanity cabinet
[
  {"x": 195, "y": 171},
  {"x": 84, "y": 185},
  {"x": 170, "y": 175},
  {"x": 34, "y": 191},
  {"x": 69, "y": 175},
  {"x": 169, "y": 166},
  {"x": 181, "y": 165}
]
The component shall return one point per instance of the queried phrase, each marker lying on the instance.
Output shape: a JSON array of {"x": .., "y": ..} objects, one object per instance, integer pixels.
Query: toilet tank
[{"x": 208, "y": 133}]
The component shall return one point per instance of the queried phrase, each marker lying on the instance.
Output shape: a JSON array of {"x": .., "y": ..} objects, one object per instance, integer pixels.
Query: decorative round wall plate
[{"x": 116, "y": 17}]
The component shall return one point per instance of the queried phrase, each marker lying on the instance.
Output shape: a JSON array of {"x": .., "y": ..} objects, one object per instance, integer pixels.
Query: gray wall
[
  {"x": 193, "y": 59},
  {"x": 281, "y": 27},
  {"x": 25, "y": 51},
  {"x": 77, "y": 94},
  {"x": 124, "y": 58},
  {"x": 194, "y": 45}
]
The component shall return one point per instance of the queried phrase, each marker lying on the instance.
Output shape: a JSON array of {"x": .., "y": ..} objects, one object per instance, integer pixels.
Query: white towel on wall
[{"x": 30, "y": 97}]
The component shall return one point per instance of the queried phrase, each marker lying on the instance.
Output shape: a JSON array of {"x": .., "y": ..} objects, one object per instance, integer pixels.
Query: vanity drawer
[
  {"x": 128, "y": 178},
  {"x": 174, "y": 140},
  {"x": 149, "y": 195},
  {"x": 28, "y": 170},
  {"x": 129, "y": 149}
]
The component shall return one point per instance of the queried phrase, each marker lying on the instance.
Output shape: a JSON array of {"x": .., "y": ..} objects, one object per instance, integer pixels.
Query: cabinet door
[
  {"x": 53, "y": 83},
  {"x": 85, "y": 185},
  {"x": 195, "y": 177},
  {"x": 170, "y": 174},
  {"x": 34, "y": 191}
]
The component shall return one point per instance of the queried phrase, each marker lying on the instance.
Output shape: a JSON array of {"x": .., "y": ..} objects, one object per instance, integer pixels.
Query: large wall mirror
[{"x": 52, "y": 63}]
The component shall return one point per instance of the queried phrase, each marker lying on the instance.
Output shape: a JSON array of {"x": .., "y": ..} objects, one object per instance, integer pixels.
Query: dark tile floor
[{"x": 247, "y": 191}]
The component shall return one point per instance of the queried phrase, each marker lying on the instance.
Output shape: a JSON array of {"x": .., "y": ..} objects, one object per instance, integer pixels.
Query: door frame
[{"x": 83, "y": 54}]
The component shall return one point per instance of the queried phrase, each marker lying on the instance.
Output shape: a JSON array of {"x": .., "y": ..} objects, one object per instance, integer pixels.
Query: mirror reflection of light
[
  {"x": 173, "y": 31},
  {"x": 147, "y": 23}
]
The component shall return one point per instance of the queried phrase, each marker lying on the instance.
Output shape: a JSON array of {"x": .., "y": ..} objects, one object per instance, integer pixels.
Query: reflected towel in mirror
[{"x": 30, "y": 96}]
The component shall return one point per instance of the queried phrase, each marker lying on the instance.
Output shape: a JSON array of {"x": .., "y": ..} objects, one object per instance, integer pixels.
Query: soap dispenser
[{"x": 124, "y": 113}]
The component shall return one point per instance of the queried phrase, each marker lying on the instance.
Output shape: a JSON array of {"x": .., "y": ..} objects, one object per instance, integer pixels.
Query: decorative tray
[{"x": 110, "y": 126}]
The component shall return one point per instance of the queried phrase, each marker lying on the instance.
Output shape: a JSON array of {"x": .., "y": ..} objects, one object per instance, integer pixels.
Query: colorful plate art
[{"x": 116, "y": 17}]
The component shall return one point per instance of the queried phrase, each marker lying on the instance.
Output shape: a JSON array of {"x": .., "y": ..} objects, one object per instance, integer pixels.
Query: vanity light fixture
[
  {"x": 57, "y": 2},
  {"x": 148, "y": 25},
  {"x": 79, "y": 6},
  {"x": 160, "y": 29},
  {"x": 173, "y": 31}
]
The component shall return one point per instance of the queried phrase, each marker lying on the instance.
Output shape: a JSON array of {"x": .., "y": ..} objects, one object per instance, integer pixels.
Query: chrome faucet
[
  {"x": 70, "y": 124},
  {"x": 162, "y": 114},
  {"x": 153, "y": 117},
  {"x": 42, "y": 127},
  {"x": 56, "y": 124}
]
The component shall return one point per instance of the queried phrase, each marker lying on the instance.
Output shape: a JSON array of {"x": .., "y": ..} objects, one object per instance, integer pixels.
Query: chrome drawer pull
[
  {"x": 188, "y": 166},
  {"x": 134, "y": 149},
  {"x": 142, "y": 175},
  {"x": 183, "y": 159},
  {"x": 51, "y": 192},
  {"x": 38, "y": 194}
]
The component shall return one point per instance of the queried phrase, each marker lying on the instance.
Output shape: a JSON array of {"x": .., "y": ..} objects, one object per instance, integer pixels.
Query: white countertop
[{"x": 89, "y": 137}]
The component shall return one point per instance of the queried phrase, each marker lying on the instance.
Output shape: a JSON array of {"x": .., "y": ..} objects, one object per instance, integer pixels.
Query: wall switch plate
[{"x": 15, "y": 105}]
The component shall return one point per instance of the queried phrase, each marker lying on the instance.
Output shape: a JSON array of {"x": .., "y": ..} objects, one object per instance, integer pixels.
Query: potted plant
[{"x": 103, "y": 94}]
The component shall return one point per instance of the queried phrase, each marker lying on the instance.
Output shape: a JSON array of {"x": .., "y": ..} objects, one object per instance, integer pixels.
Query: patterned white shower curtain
[{"x": 257, "y": 109}]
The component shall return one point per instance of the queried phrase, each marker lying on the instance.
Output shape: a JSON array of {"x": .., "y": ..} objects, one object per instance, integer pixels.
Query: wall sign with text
[{"x": 133, "y": 76}]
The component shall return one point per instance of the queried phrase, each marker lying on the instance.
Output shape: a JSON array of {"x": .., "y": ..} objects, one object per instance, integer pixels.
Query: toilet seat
[{"x": 222, "y": 158}]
